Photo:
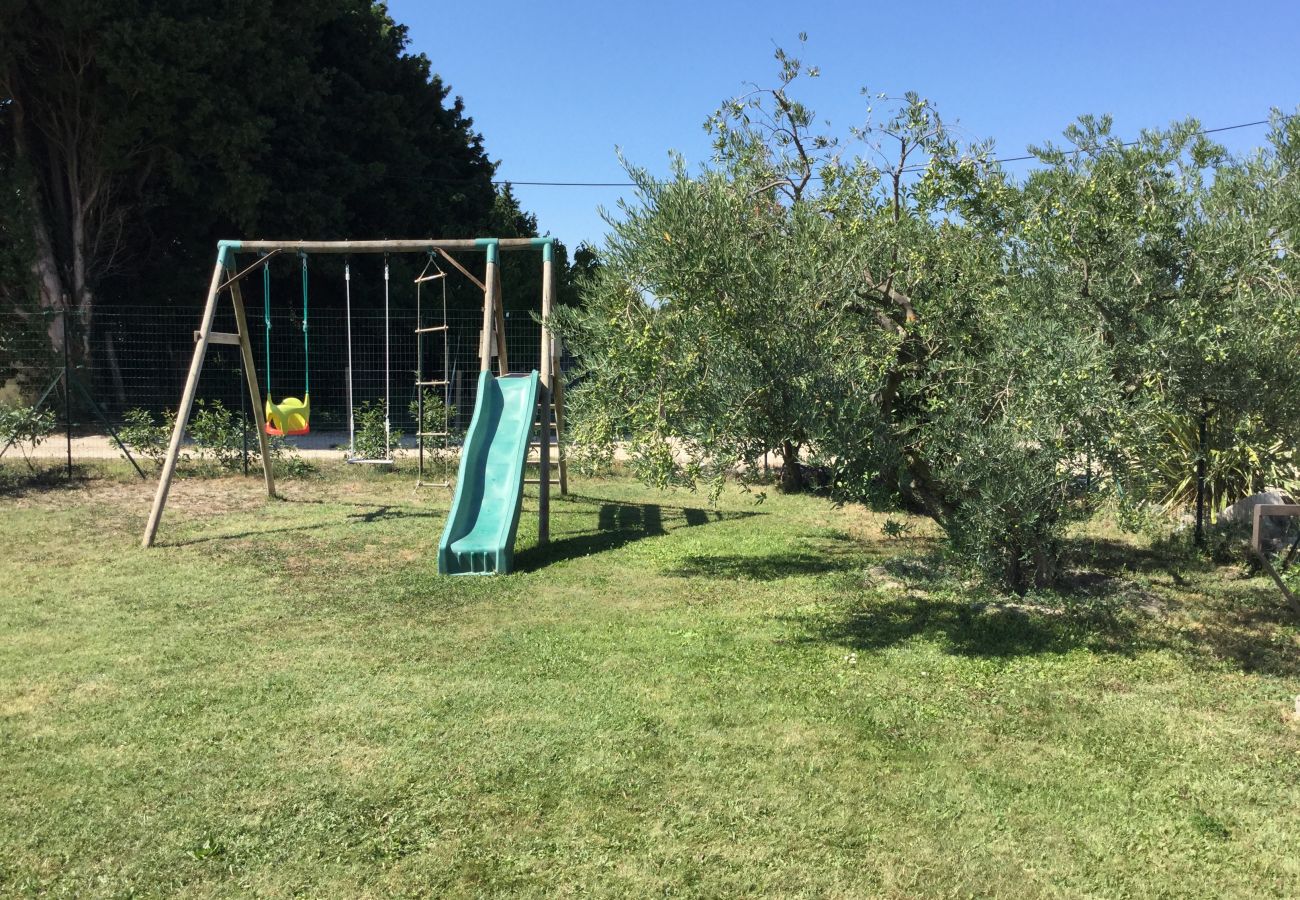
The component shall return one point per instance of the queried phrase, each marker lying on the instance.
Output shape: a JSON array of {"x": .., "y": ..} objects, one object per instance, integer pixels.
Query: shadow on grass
[
  {"x": 370, "y": 514},
  {"x": 1091, "y": 562},
  {"x": 16, "y": 482},
  {"x": 1115, "y": 603},
  {"x": 983, "y": 630},
  {"x": 617, "y": 524},
  {"x": 1253, "y": 631},
  {"x": 767, "y": 567}
]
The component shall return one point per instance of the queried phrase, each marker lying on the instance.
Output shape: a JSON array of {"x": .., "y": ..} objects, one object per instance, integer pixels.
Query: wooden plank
[
  {"x": 485, "y": 335},
  {"x": 183, "y": 412},
  {"x": 503, "y": 364},
  {"x": 1268, "y": 509},
  {"x": 238, "y": 276},
  {"x": 220, "y": 337},
  {"x": 254, "y": 391},
  {"x": 544, "y": 403},
  {"x": 411, "y": 245},
  {"x": 464, "y": 271},
  {"x": 1291, "y": 598}
]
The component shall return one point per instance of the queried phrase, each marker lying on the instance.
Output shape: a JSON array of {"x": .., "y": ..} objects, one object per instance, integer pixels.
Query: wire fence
[{"x": 138, "y": 358}]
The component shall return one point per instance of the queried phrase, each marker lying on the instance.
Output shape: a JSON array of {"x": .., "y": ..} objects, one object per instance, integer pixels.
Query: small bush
[
  {"x": 217, "y": 436},
  {"x": 369, "y": 441},
  {"x": 25, "y": 424},
  {"x": 145, "y": 438},
  {"x": 438, "y": 416}
]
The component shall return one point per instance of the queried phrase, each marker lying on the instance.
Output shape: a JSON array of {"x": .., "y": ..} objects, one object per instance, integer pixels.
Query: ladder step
[
  {"x": 433, "y": 434},
  {"x": 218, "y": 337},
  {"x": 431, "y": 383},
  {"x": 432, "y": 328},
  {"x": 539, "y": 481}
]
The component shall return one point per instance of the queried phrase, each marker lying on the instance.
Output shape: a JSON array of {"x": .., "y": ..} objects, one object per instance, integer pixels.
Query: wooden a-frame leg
[
  {"x": 254, "y": 392},
  {"x": 544, "y": 398},
  {"x": 183, "y": 413},
  {"x": 503, "y": 364}
]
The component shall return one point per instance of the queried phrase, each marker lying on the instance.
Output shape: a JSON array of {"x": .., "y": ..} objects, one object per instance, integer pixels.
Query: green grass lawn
[{"x": 284, "y": 698}]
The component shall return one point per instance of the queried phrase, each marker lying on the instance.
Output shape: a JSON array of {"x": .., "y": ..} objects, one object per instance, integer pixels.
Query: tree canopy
[
  {"x": 894, "y": 306},
  {"x": 135, "y": 133}
]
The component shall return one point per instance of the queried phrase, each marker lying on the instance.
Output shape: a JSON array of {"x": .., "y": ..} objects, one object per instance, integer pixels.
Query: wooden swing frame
[{"x": 227, "y": 276}]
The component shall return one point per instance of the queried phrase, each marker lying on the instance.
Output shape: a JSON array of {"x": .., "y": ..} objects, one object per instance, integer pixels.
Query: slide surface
[{"x": 479, "y": 538}]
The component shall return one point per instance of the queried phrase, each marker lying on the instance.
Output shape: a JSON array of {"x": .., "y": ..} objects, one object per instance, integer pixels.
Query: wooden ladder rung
[
  {"x": 433, "y": 434},
  {"x": 218, "y": 337},
  {"x": 431, "y": 383},
  {"x": 432, "y": 328},
  {"x": 539, "y": 481}
]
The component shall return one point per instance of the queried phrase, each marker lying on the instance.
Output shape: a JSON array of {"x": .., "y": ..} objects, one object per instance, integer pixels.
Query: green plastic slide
[{"x": 480, "y": 535}]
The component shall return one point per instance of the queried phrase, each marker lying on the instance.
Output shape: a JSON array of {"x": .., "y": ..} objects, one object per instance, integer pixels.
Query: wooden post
[
  {"x": 254, "y": 392},
  {"x": 1264, "y": 510},
  {"x": 489, "y": 300},
  {"x": 503, "y": 364},
  {"x": 544, "y": 395},
  {"x": 187, "y": 401},
  {"x": 464, "y": 271}
]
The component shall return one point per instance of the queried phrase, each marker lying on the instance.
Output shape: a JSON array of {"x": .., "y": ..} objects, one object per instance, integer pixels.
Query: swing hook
[{"x": 424, "y": 276}]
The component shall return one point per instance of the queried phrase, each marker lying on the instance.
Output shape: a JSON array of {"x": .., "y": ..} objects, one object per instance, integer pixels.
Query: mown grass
[{"x": 284, "y": 698}]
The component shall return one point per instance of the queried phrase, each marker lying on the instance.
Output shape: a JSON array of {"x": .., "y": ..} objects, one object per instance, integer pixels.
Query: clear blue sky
[{"x": 555, "y": 88}]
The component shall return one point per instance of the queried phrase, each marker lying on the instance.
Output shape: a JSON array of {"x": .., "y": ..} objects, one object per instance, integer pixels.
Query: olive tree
[{"x": 930, "y": 330}]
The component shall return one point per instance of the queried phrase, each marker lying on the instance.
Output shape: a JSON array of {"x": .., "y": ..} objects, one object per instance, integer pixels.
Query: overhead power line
[{"x": 1003, "y": 159}]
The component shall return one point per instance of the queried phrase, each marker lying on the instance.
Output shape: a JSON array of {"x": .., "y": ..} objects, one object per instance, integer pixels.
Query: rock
[{"x": 1241, "y": 515}]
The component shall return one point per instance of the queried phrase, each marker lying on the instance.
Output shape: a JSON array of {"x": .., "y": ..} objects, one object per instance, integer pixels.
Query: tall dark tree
[{"x": 133, "y": 133}]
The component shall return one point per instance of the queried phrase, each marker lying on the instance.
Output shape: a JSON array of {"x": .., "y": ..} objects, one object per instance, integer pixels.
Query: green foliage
[
  {"x": 219, "y": 435},
  {"x": 438, "y": 416},
  {"x": 145, "y": 437},
  {"x": 894, "y": 528},
  {"x": 25, "y": 424},
  {"x": 1243, "y": 457},
  {"x": 194, "y": 120},
  {"x": 217, "y": 438},
  {"x": 939, "y": 335},
  {"x": 372, "y": 438}
]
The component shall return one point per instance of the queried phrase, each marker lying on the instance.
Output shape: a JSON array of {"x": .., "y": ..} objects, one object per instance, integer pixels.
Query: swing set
[{"x": 291, "y": 416}]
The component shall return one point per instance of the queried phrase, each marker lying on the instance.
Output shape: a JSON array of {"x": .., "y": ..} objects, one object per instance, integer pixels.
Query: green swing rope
[{"x": 266, "y": 314}]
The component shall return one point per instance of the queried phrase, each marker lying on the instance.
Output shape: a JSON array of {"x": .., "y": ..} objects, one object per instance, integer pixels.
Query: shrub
[
  {"x": 372, "y": 438},
  {"x": 217, "y": 437},
  {"x": 25, "y": 424},
  {"x": 145, "y": 438},
  {"x": 438, "y": 416}
]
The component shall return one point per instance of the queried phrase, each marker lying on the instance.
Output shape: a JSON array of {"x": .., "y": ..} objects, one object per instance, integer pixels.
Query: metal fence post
[{"x": 67, "y": 387}]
